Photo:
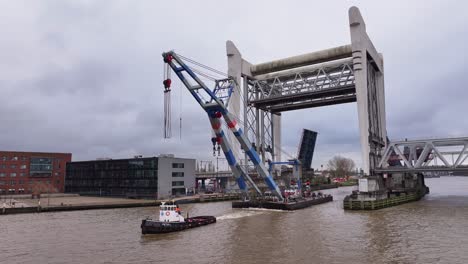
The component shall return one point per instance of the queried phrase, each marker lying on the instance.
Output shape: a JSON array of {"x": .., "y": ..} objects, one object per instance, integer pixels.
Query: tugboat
[{"x": 171, "y": 220}]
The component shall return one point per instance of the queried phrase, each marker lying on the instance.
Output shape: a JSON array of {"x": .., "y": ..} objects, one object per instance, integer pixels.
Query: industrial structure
[
  {"x": 350, "y": 73},
  {"x": 159, "y": 177},
  {"x": 251, "y": 98},
  {"x": 32, "y": 172},
  {"x": 222, "y": 180}
]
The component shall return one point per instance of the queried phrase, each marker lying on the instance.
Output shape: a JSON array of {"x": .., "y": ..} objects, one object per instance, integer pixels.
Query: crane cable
[
  {"x": 180, "y": 114},
  {"x": 202, "y": 65},
  {"x": 167, "y": 97}
]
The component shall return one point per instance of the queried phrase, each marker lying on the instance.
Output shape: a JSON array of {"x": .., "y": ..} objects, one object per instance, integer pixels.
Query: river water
[{"x": 433, "y": 230}]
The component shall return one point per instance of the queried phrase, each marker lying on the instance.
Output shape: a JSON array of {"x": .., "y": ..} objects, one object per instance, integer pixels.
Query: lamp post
[{"x": 48, "y": 194}]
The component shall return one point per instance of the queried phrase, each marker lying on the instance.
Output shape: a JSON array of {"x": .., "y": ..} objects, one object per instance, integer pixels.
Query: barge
[
  {"x": 171, "y": 220},
  {"x": 289, "y": 205}
]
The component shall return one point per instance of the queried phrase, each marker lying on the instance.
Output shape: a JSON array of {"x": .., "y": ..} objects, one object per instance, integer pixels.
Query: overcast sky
[{"x": 86, "y": 76}]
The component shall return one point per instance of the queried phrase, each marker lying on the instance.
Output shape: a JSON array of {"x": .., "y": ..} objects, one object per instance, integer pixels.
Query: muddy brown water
[{"x": 433, "y": 230}]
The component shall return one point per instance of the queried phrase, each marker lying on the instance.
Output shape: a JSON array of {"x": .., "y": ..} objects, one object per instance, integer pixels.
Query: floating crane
[{"x": 215, "y": 102}]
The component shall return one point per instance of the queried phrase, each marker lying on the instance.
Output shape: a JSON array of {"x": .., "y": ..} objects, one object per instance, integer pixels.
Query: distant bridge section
[
  {"x": 212, "y": 175},
  {"x": 429, "y": 155}
]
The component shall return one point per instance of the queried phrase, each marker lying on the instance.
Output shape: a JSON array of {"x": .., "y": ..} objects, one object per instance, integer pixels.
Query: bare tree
[
  {"x": 340, "y": 166},
  {"x": 39, "y": 187}
]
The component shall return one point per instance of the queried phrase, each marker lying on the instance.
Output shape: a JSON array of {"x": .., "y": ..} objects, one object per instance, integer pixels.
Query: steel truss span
[
  {"x": 445, "y": 154},
  {"x": 327, "y": 84}
]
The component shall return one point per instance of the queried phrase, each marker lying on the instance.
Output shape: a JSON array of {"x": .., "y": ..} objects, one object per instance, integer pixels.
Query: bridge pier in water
[
  {"x": 381, "y": 191},
  {"x": 401, "y": 171}
]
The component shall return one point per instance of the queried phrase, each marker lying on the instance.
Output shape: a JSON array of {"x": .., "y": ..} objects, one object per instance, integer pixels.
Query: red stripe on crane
[
  {"x": 216, "y": 126},
  {"x": 232, "y": 124}
]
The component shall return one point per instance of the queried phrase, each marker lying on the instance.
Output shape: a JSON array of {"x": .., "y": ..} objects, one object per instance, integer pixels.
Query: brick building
[{"x": 32, "y": 172}]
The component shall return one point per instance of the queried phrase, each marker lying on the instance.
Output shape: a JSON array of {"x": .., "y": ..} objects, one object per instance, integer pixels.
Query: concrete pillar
[
  {"x": 362, "y": 49},
  {"x": 276, "y": 127},
  {"x": 234, "y": 58},
  {"x": 240, "y": 70}
]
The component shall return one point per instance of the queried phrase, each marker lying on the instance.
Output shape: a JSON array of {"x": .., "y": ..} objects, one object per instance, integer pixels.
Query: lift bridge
[
  {"x": 350, "y": 73},
  {"x": 353, "y": 72}
]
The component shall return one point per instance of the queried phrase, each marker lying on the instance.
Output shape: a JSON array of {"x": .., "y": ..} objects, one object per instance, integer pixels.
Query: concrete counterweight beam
[{"x": 302, "y": 60}]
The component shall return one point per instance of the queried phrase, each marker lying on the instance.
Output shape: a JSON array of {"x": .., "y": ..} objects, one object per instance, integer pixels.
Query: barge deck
[{"x": 300, "y": 204}]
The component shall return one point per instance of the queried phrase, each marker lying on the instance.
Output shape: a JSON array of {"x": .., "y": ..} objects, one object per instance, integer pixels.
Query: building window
[
  {"x": 3, "y": 166},
  {"x": 14, "y": 158},
  {"x": 20, "y": 181},
  {"x": 178, "y": 174},
  {"x": 4, "y": 158},
  {"x": 23, "y": 158},
  {"x": 13, "y": 174},
  {"x": 12, "y": 183},
  {"x": 22, "y": 174},
  {"x": 23, "y": 166},
  {"x": 41, "y": 167},
  {"x": 13, "y": 166},
  {"x": 178, "y": 183},
  {"x": 177, "y": 165},
  {"x": 178, "y": 191},
  {"x": 2, "y": 182},
  {"x": 2, "y": 174},
  {"x": 57, "y": 173}
]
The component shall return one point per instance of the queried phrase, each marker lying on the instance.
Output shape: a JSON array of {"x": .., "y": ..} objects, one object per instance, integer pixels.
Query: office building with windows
[
  {"x": 159, "y": 177},
  {"x": 32, "y": 172}
]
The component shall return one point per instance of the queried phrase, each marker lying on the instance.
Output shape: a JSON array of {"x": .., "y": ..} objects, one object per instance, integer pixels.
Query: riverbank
[
  {"x": 21, "y": 204},
  {"x": 323, "y": 187},
  {"x": 74, "y": 202}
]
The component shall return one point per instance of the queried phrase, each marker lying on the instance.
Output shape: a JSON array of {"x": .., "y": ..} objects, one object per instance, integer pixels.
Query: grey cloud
[{"x": 86, "y": 77}]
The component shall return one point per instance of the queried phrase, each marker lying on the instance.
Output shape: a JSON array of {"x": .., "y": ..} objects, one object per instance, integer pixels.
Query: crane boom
[{"x": 215, "y": 108}]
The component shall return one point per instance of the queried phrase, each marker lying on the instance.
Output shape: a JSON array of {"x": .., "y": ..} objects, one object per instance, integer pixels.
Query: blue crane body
[{"x": 215, "y": 107}]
